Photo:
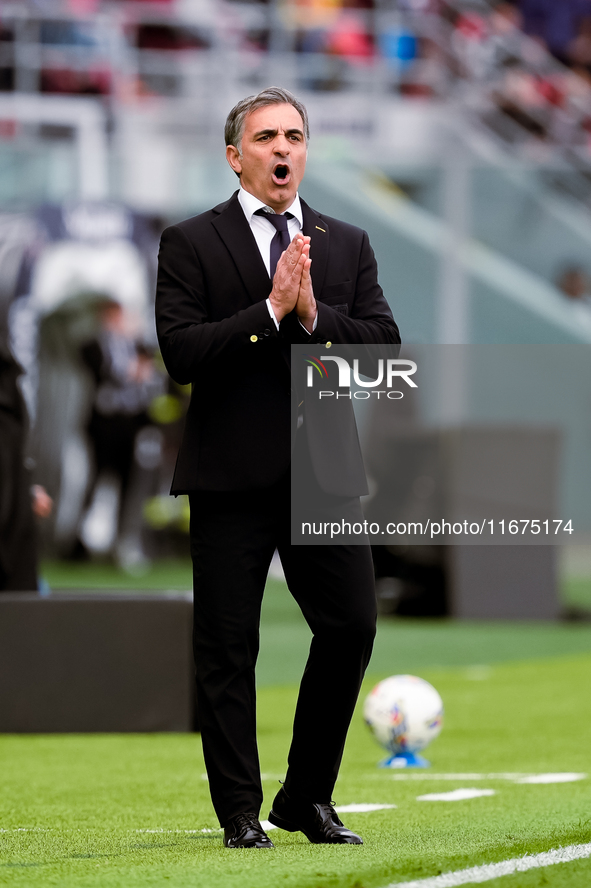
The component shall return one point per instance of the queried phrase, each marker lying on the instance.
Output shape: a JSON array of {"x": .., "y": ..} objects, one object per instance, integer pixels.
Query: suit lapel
[
  {"x": 238, "y": 238},
  {"x": 236, "y": 234},
  {"x": 316, "y": 227}
]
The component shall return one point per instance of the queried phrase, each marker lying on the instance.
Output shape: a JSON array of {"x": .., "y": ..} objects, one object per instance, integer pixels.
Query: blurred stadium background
[{"x": 457, "y": 132}]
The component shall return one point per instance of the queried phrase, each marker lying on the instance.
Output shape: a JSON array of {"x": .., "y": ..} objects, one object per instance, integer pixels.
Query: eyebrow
[{"x": 273, "y": 132}]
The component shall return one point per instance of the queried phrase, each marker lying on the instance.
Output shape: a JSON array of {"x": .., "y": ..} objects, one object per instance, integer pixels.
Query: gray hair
[{"x": 272, "y": 95}]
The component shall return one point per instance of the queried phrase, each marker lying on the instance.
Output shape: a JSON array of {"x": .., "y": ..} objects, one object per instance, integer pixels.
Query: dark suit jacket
[{"x": 215, "y": 332}]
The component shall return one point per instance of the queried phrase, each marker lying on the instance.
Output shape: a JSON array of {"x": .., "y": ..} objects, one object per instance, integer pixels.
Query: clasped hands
[{"x": 292, "y": 284}]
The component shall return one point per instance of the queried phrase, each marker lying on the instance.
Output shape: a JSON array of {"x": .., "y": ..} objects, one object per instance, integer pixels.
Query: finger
[
  {"x": 294, "y": 251},
  {"x": 297, "y": 271},
  {"x": 306, "y": 282},
  {"x": 291, "y": 249},
  {"x": 288, "y": 260},
  {"x": 296, "y": 274}
]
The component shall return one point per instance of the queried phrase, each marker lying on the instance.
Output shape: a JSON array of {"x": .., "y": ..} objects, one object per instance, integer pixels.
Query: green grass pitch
[{"x": 127, "y": 810}]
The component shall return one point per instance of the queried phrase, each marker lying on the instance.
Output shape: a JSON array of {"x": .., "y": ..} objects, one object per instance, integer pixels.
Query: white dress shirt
[{"x": 264, "y": 231}]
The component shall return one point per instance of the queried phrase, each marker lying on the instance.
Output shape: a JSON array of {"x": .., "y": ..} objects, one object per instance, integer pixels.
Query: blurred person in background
[
  {"x": 505, "y": 23},
  {"x": 573, "y": 281},
  {"x": 20, "y": 499},
  {"x": 556, "y": 23},
  {"x": 349, "y": 38},
  {"x": 488, "y": 43},
  {"x": 580, "y": 49},
  {"x": 125, "y": 380}
]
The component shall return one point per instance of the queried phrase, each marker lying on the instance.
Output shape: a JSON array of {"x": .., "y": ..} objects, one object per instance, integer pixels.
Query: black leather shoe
[
  {"x": 318, "y": 821},
  {"x": 245, "y": 831}
]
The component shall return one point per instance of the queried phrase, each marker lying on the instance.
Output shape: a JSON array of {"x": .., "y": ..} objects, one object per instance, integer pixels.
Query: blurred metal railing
[{"x": 134, "y": 56}]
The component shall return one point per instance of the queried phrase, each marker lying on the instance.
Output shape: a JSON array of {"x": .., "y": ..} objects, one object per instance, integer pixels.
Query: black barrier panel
[{"x": 80, "y": 663}]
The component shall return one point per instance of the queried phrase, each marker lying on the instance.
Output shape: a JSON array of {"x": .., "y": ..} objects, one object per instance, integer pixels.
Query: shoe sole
[{"x": 276, "y": 820}]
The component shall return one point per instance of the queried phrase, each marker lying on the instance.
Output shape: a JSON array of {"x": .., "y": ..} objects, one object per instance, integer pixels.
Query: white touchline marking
[
  {"x": 28, "y": 829},
  {"x": 563, "y": 777},
  {"x": 456, "y": 795},
  {"x": 361, "y": 808},
  {"x": 190, "y": 832},
  {"x": 558, "y": 777},
  {"x": 489, "y": 871},
  {"x": 279, "y": 777},
  {"x": 159, "y": 831}
]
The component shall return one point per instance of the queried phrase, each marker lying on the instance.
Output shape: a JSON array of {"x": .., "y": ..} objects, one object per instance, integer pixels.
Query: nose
[{"x": 282, "y": 146}]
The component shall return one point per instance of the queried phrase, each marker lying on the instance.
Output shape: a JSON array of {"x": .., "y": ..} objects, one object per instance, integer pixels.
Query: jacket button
[
  {"x": 266, "y": 332},
  {"x": 328, "y": 344},
  {"x": 254, "y": 338},
  {"x": 260, "y": 336}
]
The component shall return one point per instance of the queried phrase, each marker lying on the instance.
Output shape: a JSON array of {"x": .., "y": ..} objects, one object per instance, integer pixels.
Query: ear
[{"x": 234, "y": 158}]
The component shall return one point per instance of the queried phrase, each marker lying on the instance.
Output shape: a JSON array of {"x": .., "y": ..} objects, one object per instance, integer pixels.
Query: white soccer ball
[{"x": 404, "y": 713}]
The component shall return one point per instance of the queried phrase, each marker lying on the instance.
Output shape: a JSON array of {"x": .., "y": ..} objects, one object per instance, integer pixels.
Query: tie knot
[{"x": 279, "y": 221}]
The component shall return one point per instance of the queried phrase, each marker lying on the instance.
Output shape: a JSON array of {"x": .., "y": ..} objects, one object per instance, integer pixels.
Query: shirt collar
[{"x": 250, "y": 204}]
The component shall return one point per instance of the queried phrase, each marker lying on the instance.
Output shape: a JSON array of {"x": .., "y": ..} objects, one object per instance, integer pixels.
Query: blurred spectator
[
  {"x": 580, "y": 49},
  {"x": 83, "y": 83},
  {"x": 68, "y": 41},
  {"x": 487, "y": 44},
  {"x": 19, "y": 501},
  {"x": 556, "y": 23},
  {"x": 311, "y": 14},
  {"x": 18, "y": 551},
  {"x": 84, "y": 7},
  {"x": 574, "y": 282},
  {"x": 169, "y": 37},
  {"x": 126, "y": 381},
  {"x": 348, "y": 38},
  {"x": 505, "y": 25},
  {"x": 399, "y": 46}
]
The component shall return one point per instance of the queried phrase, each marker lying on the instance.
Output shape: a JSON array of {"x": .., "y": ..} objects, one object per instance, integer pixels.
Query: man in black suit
[{"x": 236, "y": 287}]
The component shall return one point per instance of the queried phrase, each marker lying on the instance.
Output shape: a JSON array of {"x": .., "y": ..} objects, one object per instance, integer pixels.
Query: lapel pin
[{"x": 321, "y": 229}]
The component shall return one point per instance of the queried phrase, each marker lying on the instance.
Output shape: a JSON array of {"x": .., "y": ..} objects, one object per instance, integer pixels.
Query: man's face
[{"x": 273, "y": 157}]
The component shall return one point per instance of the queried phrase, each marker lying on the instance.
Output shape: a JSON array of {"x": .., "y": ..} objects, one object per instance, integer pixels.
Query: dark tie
[{"x": 281, "y": 239}]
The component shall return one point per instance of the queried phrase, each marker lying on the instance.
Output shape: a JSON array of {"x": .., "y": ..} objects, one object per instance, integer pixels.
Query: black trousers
[{"x": 233, "y": 537}]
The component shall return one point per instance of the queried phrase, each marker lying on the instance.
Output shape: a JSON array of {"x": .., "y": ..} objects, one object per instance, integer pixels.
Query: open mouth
[{"x": 281, "y": 174}]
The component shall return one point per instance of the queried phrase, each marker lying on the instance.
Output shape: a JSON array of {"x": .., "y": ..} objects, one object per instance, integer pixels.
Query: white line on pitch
[
  {"x": 557, "y": 777},
  {"x": 27, "y": 829},
  {"x": 489, "y": 871},
  {"x": 561, "y": 777},
  {"x": 264, "y": 776},
  {"x": 360, "y": 808},
  {"x": 456, "y": 795},
  {"x": 186, "y": 832}
]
